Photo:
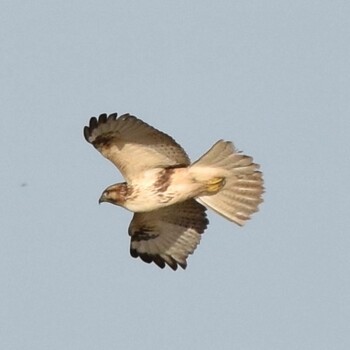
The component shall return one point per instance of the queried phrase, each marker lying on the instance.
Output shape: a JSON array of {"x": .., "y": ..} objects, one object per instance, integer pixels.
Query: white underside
[{"x": 183, "y": 185}]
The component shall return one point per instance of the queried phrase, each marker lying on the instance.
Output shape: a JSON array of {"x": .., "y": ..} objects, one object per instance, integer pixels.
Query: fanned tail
[{"x": 235, "y": 185}]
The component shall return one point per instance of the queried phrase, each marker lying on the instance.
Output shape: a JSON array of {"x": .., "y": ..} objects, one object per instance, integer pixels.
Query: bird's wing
[
  {"x": 168, "y": 235},
  {"x": 132, "y": 145}
]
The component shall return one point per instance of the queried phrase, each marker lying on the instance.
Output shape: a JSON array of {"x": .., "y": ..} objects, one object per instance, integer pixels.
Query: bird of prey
[{"x": 166, "y": 192}]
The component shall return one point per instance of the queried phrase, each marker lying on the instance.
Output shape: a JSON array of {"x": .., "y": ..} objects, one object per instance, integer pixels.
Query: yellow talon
[{"x": 215, "y": 184}]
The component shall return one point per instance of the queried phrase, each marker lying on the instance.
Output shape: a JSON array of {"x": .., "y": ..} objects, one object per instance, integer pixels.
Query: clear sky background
[{"x": 272, "y": 76}]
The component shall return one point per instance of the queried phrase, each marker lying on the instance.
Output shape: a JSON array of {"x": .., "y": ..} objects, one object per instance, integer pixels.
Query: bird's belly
[
  {"x": 149, "y": 201},
  {"x": 152, "y": 194}
]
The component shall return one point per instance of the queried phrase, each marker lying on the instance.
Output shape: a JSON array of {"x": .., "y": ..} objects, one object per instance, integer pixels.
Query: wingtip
[
  {"x": 102, "y": 118},
  {"x": 158, "y": 260},
  {"x": 112, "y": 116},
  {"x": 87, "y": 133},
  {"x": 88, "y": 129},
  {"x": 94, "y": 122}
]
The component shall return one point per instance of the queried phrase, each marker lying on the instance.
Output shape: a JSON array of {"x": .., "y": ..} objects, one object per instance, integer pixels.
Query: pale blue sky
[{"x": 272, "y": 76}]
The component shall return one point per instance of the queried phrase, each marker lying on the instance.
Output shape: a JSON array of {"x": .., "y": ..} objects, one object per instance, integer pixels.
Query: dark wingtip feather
[
  {"x": 133, "y": 253},
  {"x": 113, "y": 116},
  {"x": 148, "y": 258},
  {"x": 159, "y": 261},
  {"x": 93, "y": 123},
  {"x": 102, "y": 118},
  {"x": 87, "y": 133},
  {"x": 172, "y": 264},
  {"x": 183, "y": 265}
]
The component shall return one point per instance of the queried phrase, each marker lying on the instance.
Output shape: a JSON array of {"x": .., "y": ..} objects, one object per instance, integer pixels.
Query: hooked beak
[{"x": 102, "y": 198}]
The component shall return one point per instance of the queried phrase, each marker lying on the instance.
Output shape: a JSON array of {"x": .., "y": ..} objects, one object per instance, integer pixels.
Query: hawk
[{"x": 166, "y": 192}]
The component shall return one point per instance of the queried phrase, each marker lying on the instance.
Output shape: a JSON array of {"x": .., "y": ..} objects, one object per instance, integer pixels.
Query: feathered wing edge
[
  {"x": 243, "y": 186},
  {"x": 123, "y": 138},
  {"x": 169, "y": 235}
]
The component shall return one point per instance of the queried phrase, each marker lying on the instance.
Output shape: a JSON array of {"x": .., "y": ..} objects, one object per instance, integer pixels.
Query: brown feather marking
[
  {"x": 103, "y": 140},
  {"x": 127, "y": 192},
  {"x": 164, "y": 179},
  {"x": 144, "y": 234},
  {"x": 120, "y": 193}
]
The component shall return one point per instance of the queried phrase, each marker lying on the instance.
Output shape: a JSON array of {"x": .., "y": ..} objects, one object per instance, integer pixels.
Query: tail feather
[{"x": 240, "y": 195}]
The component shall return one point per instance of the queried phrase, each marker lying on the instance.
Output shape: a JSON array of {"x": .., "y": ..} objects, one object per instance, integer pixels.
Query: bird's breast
[{"x": 159, "y": 188}]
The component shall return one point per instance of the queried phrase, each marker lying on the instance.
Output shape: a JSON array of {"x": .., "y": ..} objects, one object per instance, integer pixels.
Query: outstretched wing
[
  {"x": 168, "y": 235},
  {"x": 132, "y": 145}
]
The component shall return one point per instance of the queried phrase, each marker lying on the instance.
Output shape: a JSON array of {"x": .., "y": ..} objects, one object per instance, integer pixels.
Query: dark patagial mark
[{"x": 164, "y": 179}]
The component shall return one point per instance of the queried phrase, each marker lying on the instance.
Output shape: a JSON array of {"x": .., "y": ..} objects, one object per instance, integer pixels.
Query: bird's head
[{"x": 115, "y": 194}]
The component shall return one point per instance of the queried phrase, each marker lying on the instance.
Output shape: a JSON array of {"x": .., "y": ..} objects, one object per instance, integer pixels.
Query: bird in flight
[{"x": 166, "y": 192}]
